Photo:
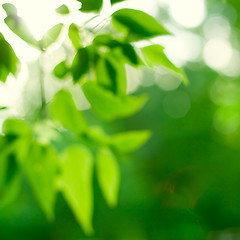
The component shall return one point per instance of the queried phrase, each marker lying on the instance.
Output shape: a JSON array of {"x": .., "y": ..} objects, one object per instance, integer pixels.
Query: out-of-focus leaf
[
  {"x": 108, "y": 175},
  {"x": 10, "y": 9},
  {"x": 74, "y": 36},
  {"x": 40, "y": 168},
  {"x": 97, "y": 135},
  {"x": 76, "y": 184},
  {"x": 19, "y": 27},
  {"x": 155, "y": 55},
  {"x": 109, "y": 106},
  {"x": 61, "y": 70},
  {"x": 51, "y": 36},
  {"x": 106, "y": 75},
  {"x": 106, "y": 40},
  {"x": 80, "y": 64},
  {"x": 16, "y": 127},
  {"x": 20, "y": 134},
  {"x": 118, "y": 75},
  {"x": 116, "y": 1},
  {"x": 131, "y": 55},
  {"x": 8, "y": 59},
  {"x": 64, "y": 110},
  {"x": 129, "y": 141},
  {"x": 137, "y": 24},
  {"x": 10, "y": 176},
  {"x": 3, "y": 108},
  {"x": 91, "y": 5},
  {"x": 63, "y": 9}
]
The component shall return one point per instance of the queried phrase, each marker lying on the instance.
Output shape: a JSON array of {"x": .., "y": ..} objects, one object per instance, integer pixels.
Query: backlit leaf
[
  {"x": 80, "y": 64},
  {"x": 129, "y": 141},
  {"x": 64, "y": 110},
  {"x": 40, "y": 168},
  {"x": 74, "y": 36},
  {"x": 8, "y": 59},
  {"x": 129, "y": 51},
  {"x": 137, "y": 24},
  {"x": 108, "y": 175},
  {"x": 116, "y": 1},
  {"x": 155, "y": 55},
  {"x": 106, "y": 75},
  {"x": 106, "y": 40},
  {"x": 51, "y": 36},
  {"x": 76, "y": 184},
  {"x": 16, "y": 127},
  {"x": 109, "y": 106},
  {"x": 63, "y": 9},
  {"x": 91, "y": 5},
  {"x": 10, "y": 176},
  {"x": 61, "y": 70},
  {"x": 20, "y": 28}
]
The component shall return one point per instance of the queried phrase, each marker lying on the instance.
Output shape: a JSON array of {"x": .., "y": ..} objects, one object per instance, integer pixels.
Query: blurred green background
[{"x": 184, "y": 184}]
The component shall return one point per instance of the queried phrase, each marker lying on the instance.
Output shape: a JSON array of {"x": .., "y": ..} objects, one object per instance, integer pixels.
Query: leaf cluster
[{"x": 60, "y": 152}]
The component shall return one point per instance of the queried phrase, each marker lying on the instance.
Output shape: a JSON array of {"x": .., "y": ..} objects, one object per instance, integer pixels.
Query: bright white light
[
  {"x": 217, "y": 53},
  {"x": 217, "y": 26},
  {"x": 167, "y": 81},
  {"x": 189, "y": 13},
  {"x": 233, "y": 69},
  {"x": 149, "y": 7},
  {"x": 182, "y": 47}
]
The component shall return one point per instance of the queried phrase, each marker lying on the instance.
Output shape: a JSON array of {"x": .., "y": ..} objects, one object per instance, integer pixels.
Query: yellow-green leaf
[
  {"x": 109, "y": 106},
  {"x": 77, "y": 169},
  {"x": 40, "y": 168},
  {"x": 64, "y": 110},
  {"x": 51, "y": 36},
  {"x": 129, "y": 141},
  {"x": 137, "y": 25},
  {"x": 18, "y": 25},
  {"x": 108, "y": 175},
  {"x": 155, "y": 56}
]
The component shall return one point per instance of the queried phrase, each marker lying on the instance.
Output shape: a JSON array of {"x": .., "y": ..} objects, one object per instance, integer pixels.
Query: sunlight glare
[
  {"x": 217, "y": 53},
  {"x": 189, "y": 13}
]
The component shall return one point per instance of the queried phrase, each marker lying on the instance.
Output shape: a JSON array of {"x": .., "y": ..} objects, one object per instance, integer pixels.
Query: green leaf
[
  {"x": 129, "y": 141},
  {"x": 3, "y": 108},
  {"x": 97, "y": 136},
  {"x": 63, "y": 9},
  {"x": 10, "y": 9},
  {"x": 64, "y": 110},
  {"x": 40, "y": 168},
  {"x": 61, "y": 70},
  {"x": 80, "y": 64},
  {"x": 109, "y": 106},
  {"x": 74, "y": 36},
  {"x": 137, "y": 25},
  {"x": 106, "y": 75},
  {"x": 155, "y": 55},
  {"x": 116, "y": 1},
  {"x": 21, "y": 136},
  {"x": 19, "y": 27},
  {"x": 106, "y": 40},
  {"x": 129, "y": 52},
  {"x": 51, "y": 36},
  {"x": 91, "y": 5},
  {"x": 16, "y": 127},
  {"x": 77, "y": 170},
  {"x": 117, "y": 75},
  {"x": 108, "y": 175},
  {"x": 8, "y": 59},
  {"x": 10, "y": 176}
]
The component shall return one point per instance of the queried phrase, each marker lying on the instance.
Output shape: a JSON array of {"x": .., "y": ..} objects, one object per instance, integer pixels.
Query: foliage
[{"x": 57, "y": 149}]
